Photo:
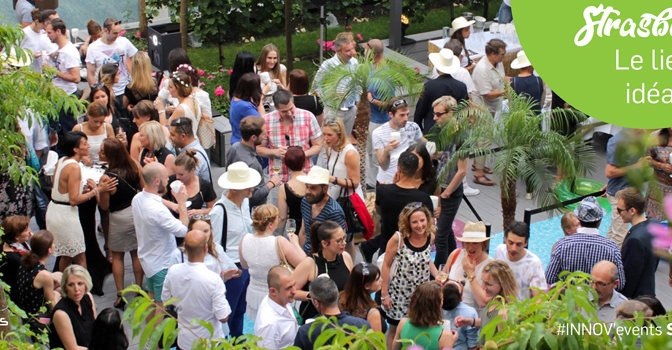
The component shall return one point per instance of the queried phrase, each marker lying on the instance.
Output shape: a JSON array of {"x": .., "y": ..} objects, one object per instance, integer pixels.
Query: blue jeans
[
  {"x": 236, "y": 295},
  {"x": 41, "y": 201},
  {"x": 445, "y": 237},
  {"x": 505, "y": 15}
]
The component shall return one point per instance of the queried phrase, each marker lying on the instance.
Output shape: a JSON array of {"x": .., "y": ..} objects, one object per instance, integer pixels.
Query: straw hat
[
  {"x": 459, "y": 23},
  {"x": 14, "y": 61},
  {"x": 316, "y": 176},
  {"x": 474, "y": 232},
  {"x": 589, "y": 210},
  {"x": 521, "y": 61},
  {"x": 239, "y": 177},
  {"x": 445, "y": 61}
]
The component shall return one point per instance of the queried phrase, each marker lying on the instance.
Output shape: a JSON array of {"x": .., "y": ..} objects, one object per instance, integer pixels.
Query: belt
[{"x": 61, "y": 203}]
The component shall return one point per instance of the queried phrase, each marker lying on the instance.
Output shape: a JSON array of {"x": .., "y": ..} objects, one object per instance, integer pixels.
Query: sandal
[
  {"x": 485, "y": 169},
  {"x": 119, "y": 303},
  {"x": 483, "y": 180}
]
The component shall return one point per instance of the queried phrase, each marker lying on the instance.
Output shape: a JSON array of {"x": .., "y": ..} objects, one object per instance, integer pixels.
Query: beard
[
  {"x": 162, "y": 190},
  {"x": 313, "y": 199}
]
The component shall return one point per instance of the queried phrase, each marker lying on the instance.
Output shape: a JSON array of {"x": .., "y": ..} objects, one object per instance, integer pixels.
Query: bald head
[
  {"x": 376, "y": 46},
  {"x": 274, "y": 276},
  {"x": 152, "y": 172},
  {"x": 605, "y": 268},
  {"x": 195, "y": 245}
]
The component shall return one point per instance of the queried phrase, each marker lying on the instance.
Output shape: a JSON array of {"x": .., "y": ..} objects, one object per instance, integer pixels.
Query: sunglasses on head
[
  {"x": 201, "y": 217},
  {"x": 399, "y": 103},
  {"x": 414, "y": 205}
]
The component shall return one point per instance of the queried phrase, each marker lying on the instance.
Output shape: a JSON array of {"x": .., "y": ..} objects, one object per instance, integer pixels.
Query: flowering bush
[
  {"x": 214, "y": 83},
  {"x": 136, "y": 39}
]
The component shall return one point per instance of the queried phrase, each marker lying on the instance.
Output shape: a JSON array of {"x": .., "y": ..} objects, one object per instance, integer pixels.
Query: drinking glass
[
  {"x": 442, "y": 275},
  {"x": 291, "y": 226}
]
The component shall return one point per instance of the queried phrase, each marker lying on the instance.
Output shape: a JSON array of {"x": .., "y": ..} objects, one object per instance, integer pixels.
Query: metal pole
[
  {"x": 395, "y": 24},
  {"x": 527, "y": 218},
  {"x": 322, "y": 24},
  {"x": 488, "y": 232}
]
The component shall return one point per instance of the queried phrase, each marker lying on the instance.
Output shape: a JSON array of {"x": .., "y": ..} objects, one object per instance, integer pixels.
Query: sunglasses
[
  {"x": 97, "y": 85},
  {"x": 117, "y": 23},
  {"x": 365, "y": 271},
  {"x": 181, "y": 122},
  {"x": 399, "y": 103},
  {"x": 201, "y": 217},
  {"x": 414, "y": 205},
  {"x": 438, "y": 114}
]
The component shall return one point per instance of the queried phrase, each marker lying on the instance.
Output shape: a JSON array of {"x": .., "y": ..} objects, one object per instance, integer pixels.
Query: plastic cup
[
  {"x": 395, "y": 135},
  {"x": 435, "y": 201},
  {"x": 446, "y": 325},
  {"x": 176, "y": 185}
]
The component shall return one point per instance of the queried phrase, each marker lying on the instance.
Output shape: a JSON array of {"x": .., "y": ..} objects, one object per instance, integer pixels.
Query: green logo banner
[{"x": 612, "y": 59}]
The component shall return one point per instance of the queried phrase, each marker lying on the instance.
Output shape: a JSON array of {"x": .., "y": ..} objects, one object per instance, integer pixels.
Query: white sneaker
[{"x": 470, "y": 192}]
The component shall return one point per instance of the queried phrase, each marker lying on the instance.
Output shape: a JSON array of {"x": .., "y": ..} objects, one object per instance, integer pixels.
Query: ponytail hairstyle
[
  {"x": 354, "y": 298},
  {"x": 36, "y": 15},
  {"x": 187, "y": 160},
  {"x": 108, "y": 74},
  {"x": 40, "y": 244},
  {"x": 321, "y": 231}
]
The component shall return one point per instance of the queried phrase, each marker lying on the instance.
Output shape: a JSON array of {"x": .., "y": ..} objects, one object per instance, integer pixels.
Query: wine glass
[
  {"x": 291, "y": 226},
  {"x": 442, "y": 276}
]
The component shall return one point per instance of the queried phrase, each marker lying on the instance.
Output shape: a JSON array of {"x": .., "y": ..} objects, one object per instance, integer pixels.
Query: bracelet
[
  {"x": 272, "y": 183},
  {"x": 162, "y": 111},
  {"x": 335, "y": 182},
  {"x": 473, "y": 324},
  {"x": 383, "y": 298}
]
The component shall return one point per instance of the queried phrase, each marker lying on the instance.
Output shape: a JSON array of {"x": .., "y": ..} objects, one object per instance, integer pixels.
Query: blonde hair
[
  {"x": 75, "y": 270},
  {"x": 405, "y": 219},
  {"x": 264, "y": 215},
  {"x": 261, "y": 61},
  {"x": 337, "y": 125},
  {"x": 446, "y": 102},
  {"x": 141, "y": 75},
  {"x": 502, "y": 274},
  {"x": 106, "y": 75},
  {"x": 567, "y": 219},
  {"x": 155, "y": 134}
]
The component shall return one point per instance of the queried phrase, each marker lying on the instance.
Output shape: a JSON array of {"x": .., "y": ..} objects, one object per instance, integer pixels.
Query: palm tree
[
  {"x": 390, "y": 78},
  {"x": 525, "y": 152}
]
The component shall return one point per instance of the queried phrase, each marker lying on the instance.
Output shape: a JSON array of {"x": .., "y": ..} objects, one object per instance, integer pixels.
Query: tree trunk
[
  {"x": 288, "y": 36},
  {"x": 5, "y": 327},
  {"x": 362, "y": 128},
  {"x": 508, "y": 194},
  {"x": 143, "y": 18},
  {"x": 183, "y": 23}
]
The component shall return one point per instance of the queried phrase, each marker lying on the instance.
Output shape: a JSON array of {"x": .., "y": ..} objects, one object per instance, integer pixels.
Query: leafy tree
[{"x": 391, "y": 78}]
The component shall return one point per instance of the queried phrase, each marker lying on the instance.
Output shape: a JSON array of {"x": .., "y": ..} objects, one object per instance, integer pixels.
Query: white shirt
[
  {"x": 487, "y": 79},
  {"x": 275, "y": 324},
  {"x": 202, "y": 295},
  {"x": 119, "y": 52},
  {"x": 457, "y": 274},
  {"x": 155, "y": 227},
  {"x": 35, "y": 134},
  {"x": 221, "y": 263},
  {"x": 66, "y": 59},
  {"x": 381, "y": 137},
  {"x": 529, "y": 271},
  {"x": 36, "y": 42},
  {"x": 239, "y": 223}
]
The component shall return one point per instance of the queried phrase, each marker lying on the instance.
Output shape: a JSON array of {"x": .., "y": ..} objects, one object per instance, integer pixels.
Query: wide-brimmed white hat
[
  {"x": 445, "y": 61},
  {"x": 316, "y": 176},
  {"x": 473, "y": 232},
  {"x": 239, "y": 177},
  {"x": 521, "y": 61},
  {"x": 13, "y": 59},
  {"x": 459, "y": 23}
]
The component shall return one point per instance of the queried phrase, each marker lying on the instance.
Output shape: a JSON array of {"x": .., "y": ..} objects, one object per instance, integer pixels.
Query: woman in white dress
[
  {"x": 180, "y": 88},
  {"x": 62, "y": 213},
  {"x": 262, "y": 250},
  {"x": 342, "y": 161}
]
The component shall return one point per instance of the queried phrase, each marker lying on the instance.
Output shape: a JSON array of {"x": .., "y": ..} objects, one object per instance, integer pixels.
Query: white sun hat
[
  {"x": 521, "y": 61},
  {"x": 14, "y": 60},
  {"x": 473, "y": 232},
  {"x": 239, "y": 177},
  {"x": 316, "y": 176},
  {"x": 445, "y": 61},
  {"x": 459, "y": 23}
]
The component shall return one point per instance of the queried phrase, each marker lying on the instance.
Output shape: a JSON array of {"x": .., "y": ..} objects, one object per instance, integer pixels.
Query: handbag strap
[{"x": 283, "y": 258}]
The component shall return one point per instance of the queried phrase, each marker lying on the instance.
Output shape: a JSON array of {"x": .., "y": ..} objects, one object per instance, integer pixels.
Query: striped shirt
[
  {"x": 410, "y": 134},
  {"x": 580, "y": 252},
  {"x": 332, "y": 211}
]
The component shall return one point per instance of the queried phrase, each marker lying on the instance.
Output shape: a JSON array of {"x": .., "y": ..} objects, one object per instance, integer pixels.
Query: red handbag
[{"x": 357, "y": 211}]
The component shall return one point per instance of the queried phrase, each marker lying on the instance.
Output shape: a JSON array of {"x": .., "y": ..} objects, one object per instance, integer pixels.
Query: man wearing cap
[
  {"x": 231, "y": 220},
  {"x": 446, "y": 63},
  {"x": 379, "y": 115},
  {"x": 605, "y": 282},
  {"x": 582, "y": 250},
  {"x": 639, "y": 261},
  {"x": 317, "y": 206},
  {"x": 345, "y": 54}
]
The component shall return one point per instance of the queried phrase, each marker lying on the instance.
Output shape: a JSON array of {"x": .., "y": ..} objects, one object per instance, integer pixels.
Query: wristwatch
[
  {"x": 471, "y": 278},
  {"x": 335, "y": 182}
]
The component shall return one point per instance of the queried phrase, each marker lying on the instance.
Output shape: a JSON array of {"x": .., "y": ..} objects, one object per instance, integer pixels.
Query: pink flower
[
  {"x": 417, "y": 69},
  {"x": 230, "y": 71},
  {"x": 415, "y": 347},
  {"x": 138, "y": 34},
  {"x": 201, "y": 72},
  {"x": 348, "y": 27},
  {"x": 318, "y": 41},
  {"x": 359, "y": 37},
  {"x": 221, "y": 69},
  {"x": 219, "y": 92},
  {"x": 153, "y": 74},
  {"x": 121, "y": 33},
  {"x": 201, "y": 84},
  {"x": 662, "y": 236},
  {"x": 210, "y": 77}
]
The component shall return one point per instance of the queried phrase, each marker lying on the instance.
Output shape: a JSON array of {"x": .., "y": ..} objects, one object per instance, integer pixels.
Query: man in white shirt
[
  {"x": 200, "y": 292},
  {"x": 527, "y": 267},
  {"x": 111, "y": 48},
  {"x": 345, "y": 54},
  {"x": 389, "y": 148},
  {"x": 275, "y": 322},
  {"x": 36, "y": 40},
  {"x": 156, "y": 226},
  {"x": 66, "y": 60}
]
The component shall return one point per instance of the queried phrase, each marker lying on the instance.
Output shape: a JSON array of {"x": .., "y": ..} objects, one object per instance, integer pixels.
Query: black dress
[
  {"x": 99, "y": 267},
  {"x": 206, "y": 193},
  {"x": 160, "y": 155},
  {"x": 82, "y": 324},
  {"x": 294, "y": 206},
  {"x": 337, "y": 271},
  {"x": 9, "y": 265},
  {"x": 29, "y": 299}
]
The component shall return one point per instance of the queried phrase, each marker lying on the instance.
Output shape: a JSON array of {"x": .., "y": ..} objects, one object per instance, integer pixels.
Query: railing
[
  {"x": 529, "y": 212},
  {"x": 488, "y": 226}
]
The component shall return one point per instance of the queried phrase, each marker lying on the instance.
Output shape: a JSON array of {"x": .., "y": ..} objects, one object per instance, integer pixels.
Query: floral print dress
[{"x": 412, "y": 270}]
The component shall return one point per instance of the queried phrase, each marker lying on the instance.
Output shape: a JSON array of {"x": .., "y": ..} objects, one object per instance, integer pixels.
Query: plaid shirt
[
  {"x": 303, "y": 129},
  {"x": 580, "y": 252}
]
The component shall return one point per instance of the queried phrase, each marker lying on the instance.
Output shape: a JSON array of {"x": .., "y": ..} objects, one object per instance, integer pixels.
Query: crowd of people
[{"x": 278, "y": 235}]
